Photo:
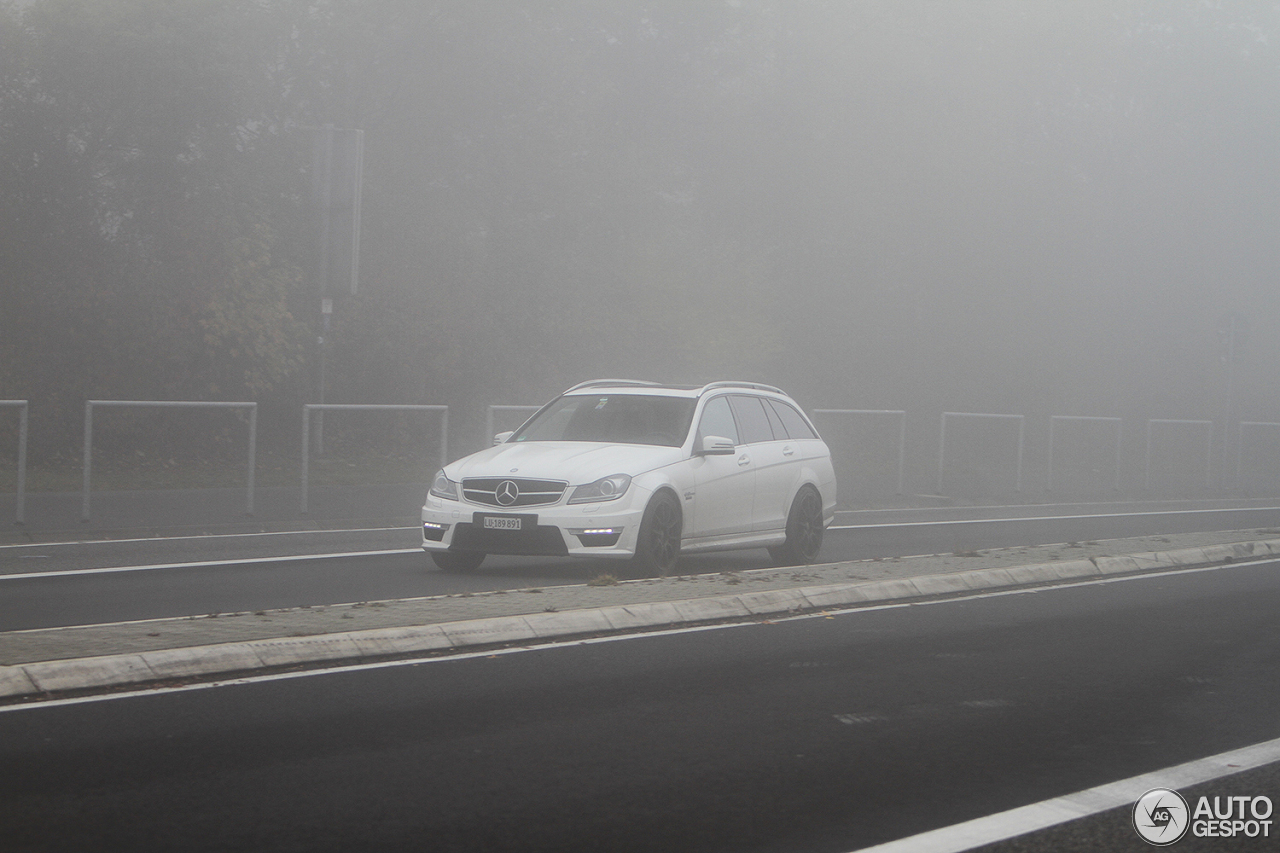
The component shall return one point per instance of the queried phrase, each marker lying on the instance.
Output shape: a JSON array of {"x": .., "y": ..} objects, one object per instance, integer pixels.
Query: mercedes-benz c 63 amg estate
[{"x": 641, "y": 472}]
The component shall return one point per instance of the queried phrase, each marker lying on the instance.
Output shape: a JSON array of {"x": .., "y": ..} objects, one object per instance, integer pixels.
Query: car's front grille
[{"x": 510, "y": 492}]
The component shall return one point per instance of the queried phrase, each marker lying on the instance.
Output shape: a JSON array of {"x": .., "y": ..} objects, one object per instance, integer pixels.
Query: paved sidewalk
[{"x": 49, "y": 661}]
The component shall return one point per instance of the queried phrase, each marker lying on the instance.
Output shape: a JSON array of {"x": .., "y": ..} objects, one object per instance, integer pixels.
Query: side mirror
[
  {"x": 503, "y": 436},
  {"x": 715, "y": 445}
]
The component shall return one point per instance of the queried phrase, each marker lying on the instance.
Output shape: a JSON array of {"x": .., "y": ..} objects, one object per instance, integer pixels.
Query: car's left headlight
[
  {"x": 443, "y": 487},
  {"x": 605, "y": 489}
]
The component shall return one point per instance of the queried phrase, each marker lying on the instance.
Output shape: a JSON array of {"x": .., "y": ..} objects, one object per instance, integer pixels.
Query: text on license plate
[{"x": 492, "y": 522}]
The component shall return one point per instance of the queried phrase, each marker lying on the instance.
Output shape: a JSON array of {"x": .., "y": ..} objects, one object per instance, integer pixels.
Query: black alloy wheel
[
  {"x": 658, "y": 545},
  {"x": 804, "y": 530}
]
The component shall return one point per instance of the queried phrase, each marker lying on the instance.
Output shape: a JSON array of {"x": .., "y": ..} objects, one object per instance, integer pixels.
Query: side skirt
[{"x": 754, "y": 539}]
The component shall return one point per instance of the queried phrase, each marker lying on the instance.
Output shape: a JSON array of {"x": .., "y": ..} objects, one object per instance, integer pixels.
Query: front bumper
[{"x": 607, "y": 529}]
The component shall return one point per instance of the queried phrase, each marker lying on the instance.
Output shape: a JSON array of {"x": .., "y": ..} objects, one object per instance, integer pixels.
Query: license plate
[{"x": 505, "y": 522}]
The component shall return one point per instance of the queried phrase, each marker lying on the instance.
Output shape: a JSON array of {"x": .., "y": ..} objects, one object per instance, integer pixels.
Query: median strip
[{"x": 205, "y": 660}]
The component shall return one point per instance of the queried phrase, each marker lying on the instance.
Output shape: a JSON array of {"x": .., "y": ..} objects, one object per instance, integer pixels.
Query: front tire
[
  {"x": 804, "y": 531},
  {"x": 658, "y": 544},
  {"x": 458, "y": 561}
]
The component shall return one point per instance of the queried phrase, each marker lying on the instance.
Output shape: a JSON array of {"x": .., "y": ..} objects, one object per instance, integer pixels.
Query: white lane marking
[
  {"x": 1047, "y": 813},
  {"x": 987, "y": 704},
  {"x": 856, "y": 719},
  {"x": 204, "y": 564}
]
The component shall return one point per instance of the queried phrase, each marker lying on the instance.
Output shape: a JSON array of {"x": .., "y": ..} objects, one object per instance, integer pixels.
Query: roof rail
[
  {"x": 614, "y": 382},
  {"x": 758, "y": 386}
]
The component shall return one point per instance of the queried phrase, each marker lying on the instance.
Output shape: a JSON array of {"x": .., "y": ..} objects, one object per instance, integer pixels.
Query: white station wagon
[{"x": 642, "y": 472}]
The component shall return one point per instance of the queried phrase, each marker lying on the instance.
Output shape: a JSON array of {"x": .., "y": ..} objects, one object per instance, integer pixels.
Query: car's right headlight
[
  {"x": 443, "y": 487},
  {"x": 604, "y": 489}
]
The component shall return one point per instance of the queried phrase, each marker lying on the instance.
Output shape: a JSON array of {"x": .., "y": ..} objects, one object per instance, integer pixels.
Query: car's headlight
[
  {"x": 604, "y": 489},
  {"x": 443, "y": 487}
]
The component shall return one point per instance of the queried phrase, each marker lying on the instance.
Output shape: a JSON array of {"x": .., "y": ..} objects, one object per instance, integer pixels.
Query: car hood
[{"x": 577, "y": 462}]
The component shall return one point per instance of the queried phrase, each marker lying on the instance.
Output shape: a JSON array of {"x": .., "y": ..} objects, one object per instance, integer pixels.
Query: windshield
[{"x": 614, "y": 419}]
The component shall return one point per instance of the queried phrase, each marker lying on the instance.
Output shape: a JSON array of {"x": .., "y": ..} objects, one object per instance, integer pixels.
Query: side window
[
  {"x": 717, "y": 420},
  {"x": 779, "y": 431},
  {"x": 752, "y": 419},
  {"x": 797, "y": 426}
]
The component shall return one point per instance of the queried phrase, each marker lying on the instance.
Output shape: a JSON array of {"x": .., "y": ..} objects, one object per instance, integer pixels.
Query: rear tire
[
  {"x": 804, "y": 531},
  {"x": 458, "y": 561},
  {"x": 658, "y": 544}
]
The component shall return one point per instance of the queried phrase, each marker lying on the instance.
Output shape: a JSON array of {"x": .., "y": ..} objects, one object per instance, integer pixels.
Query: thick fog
[{"x": 1035, "y": 208}]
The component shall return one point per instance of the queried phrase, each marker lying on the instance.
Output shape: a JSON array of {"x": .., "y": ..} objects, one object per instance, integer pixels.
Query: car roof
[{"x": 638, "y": 386}]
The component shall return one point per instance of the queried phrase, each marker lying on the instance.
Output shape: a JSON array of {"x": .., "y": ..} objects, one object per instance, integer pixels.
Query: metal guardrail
[
  {"x": 1119, "y": 435},
  {"x": 942, "y": 441},
  {"x": 1240, "y": 444},
  {"x": 22, "y": 406},
  {"x": 164, "y": 404},
  {"x": 1245, "y": 430},
  {"x": 1208, "y": 456},
  {"x": 362, "y": 407}
]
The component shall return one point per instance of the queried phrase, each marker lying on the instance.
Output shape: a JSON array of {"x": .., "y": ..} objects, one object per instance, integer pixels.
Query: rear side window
[
  {"x": 753, "y": 423},
  {"x": 797, "y": 426},
  {"x": 779, "y": 431},
  {"x": 718, "y": 420}
]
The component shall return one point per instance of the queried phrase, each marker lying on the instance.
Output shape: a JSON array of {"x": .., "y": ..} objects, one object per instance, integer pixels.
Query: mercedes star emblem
[{"x": 507, "y": 493}]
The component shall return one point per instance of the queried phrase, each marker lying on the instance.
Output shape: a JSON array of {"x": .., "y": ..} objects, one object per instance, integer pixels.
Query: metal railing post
[
  {"x": 306, "y": 454},
  {"x": 88, "y": 458},
  {"x": 1048, "y": 481},
  {"x": 942, "y": 451},
  {"x": 1240, "y": 445},
  {"x": 1119, "y": 432},
  {"x": 902, "y": 454},
  {"x": 444, "y": 438},
  {"x": 1119, "y": 445},
  {"x": 942, "y": 442},
  {"x": 253, "y": 455},
  {"x": 21, "y": 497},
  {"x": 22, "y": 463},
  {"x": 164, "y": 404},
  {"x": 1208, "y": 461}
]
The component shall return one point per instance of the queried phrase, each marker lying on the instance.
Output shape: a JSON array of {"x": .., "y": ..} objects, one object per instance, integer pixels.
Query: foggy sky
[{"x": 1006, "y": 206}]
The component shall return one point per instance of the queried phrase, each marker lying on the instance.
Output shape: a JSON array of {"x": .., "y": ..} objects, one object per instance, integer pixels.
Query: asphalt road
[
  {"x": 42, "y": 586},
  {"x": 816, "y": 734}
]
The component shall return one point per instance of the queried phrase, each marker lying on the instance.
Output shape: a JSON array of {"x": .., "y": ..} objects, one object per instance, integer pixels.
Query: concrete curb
[{"x": 60, "y": 676}]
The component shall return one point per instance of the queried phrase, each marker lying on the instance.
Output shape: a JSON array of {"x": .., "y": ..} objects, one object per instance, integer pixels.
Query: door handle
[
  {"x": 787, "y": 451},
  {"x": 744, "y": 459}
]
